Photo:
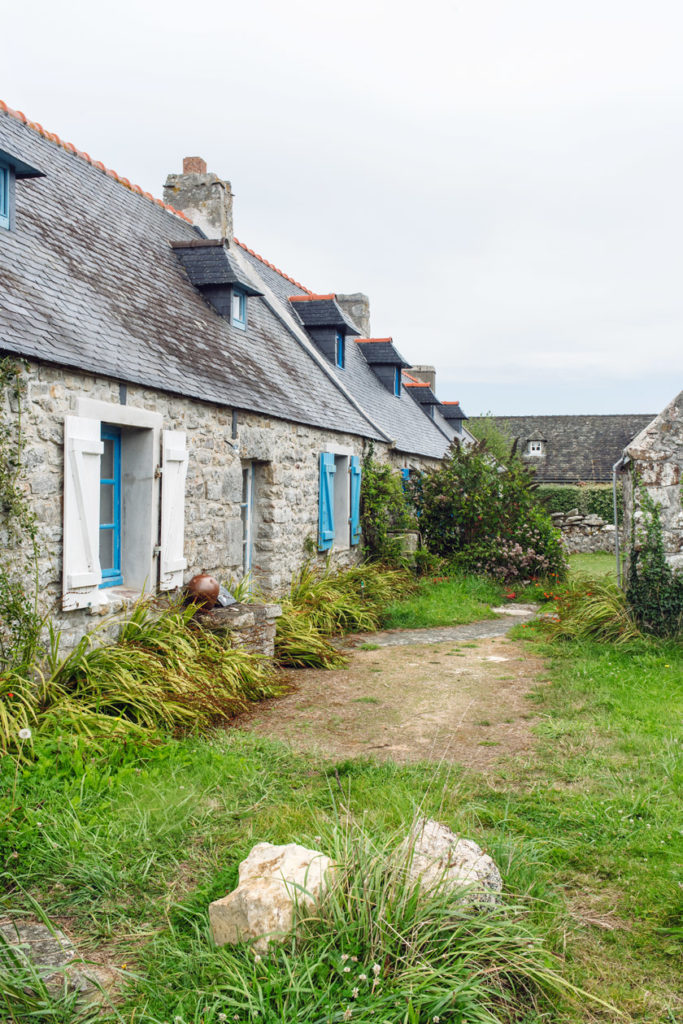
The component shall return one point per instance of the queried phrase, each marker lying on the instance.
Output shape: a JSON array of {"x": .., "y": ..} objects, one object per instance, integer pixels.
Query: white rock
[
  {"x": 440, "y": 857},
  {"x": 273, "y": 880}
]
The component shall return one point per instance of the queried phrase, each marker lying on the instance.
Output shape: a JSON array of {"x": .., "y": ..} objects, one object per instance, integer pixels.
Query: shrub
[
  {"x": 654, "y": 591},
  {"x": 383, "y": 510},
  {"x": 485, "y": 518}
]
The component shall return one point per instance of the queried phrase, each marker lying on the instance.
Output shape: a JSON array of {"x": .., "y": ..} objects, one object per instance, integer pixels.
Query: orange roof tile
[
  {"x": 451, "y": 403},
  {"x": 366, "y": 341},
  {"x": 272, "y": 266},
  {"x": 70, "y": 148},
  {"x": 410, "y": 377},
  {"x": 416, "y": 384},
  {"x": 310, "y": 297}
]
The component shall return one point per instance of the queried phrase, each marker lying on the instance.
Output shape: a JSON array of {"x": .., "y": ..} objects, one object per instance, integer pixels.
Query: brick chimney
[
  {"x": 205, "y": 199},
  {"x": 424, "y": 373},
  {"x": 357, "y": 306}
]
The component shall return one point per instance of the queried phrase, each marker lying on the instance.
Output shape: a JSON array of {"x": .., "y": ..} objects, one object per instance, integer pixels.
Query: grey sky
[{"x": 502, "y": 178}]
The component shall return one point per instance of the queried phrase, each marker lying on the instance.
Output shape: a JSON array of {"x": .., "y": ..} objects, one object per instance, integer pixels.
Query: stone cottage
[
  {"x": 653, "y": 461},
  {"x": 188, "y": 406}
]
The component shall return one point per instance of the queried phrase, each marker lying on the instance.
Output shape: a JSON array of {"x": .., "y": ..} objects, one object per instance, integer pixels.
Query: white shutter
[
  {"x": 81, "y": 574},
  {"x": 173, "y": 473}
]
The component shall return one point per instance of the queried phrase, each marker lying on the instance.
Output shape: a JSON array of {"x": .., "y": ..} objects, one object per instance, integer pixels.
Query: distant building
[{"x": 571, "y": 449}]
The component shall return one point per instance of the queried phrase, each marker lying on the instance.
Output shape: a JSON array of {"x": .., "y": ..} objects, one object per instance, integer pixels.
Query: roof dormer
[
  {"x": 326, "y": 323},
  {"x": 216, "y": 273},
  {"x": 385, "y": 361},
  {"x": 424, "y": 396},
  {"x": 453, "y": 412},
  {"x": 12, "y": 169}
]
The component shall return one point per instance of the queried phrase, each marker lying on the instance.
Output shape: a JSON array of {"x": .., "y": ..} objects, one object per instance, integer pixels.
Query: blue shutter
[
  {"x": 4, "y": 196},
  {"x": 355, "y": 499},
  {"x": 326, "y": 502}
]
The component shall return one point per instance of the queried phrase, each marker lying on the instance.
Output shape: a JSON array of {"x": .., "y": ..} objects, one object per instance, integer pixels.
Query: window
[
  {"x": 247, "y": 515},
  {"x": 239, "y": 308},
  {"x": 339, "y": 350},
  {"x": 339, "y": 501},
  {"x": 110, "y": 507},
  {"x": 4, "y": 196},
  {"x": 397, "y": 381},
  {"x": 534, "y": 448},
  {"x": 124, "y": 495}
]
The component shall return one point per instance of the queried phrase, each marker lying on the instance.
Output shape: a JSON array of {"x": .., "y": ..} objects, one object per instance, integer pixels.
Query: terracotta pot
[{"x": 203, "y": 589}]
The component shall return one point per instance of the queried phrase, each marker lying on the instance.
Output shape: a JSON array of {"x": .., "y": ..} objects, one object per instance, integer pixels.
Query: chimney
[
  {"x": 203, "y": 197},
  {"x": 357, "y": 306},
  {"x": 424, "y": 373}
]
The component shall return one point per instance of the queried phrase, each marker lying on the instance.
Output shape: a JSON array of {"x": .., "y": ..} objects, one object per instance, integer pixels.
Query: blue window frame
[
  {"x": 339, "y": 350},
  {"x": 110, "y": 507},
  {"x": 397, "y": 381},
  {"x": 239, "y": 309},
  {"x": 4, "y": 196}
]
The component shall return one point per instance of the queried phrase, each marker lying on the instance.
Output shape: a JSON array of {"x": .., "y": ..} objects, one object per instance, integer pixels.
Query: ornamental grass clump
[
  {"x": 594, "y": 610},
  {"x": 165, "y": 671},
  {"x": 324, "y": 602}
]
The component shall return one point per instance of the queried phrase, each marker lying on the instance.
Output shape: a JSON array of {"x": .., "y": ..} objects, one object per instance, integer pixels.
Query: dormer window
[
  {"x": 339, "y": 350},
  {"x": 534, "y": 448},
  {"x": 239, "y": 309},
  {"x": 4, "y": 196}
]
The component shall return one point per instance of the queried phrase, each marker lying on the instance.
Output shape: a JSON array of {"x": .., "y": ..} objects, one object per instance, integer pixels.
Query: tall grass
[
  {"x": 165, "y": 671},
  {"x": 326, "y": 602},
  {"x": 593, "y": 610}
]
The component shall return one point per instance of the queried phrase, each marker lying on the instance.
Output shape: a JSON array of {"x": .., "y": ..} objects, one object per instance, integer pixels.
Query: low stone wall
[
  {"x": 248, "y": 625},
  {"x": 584, "y": 533}
]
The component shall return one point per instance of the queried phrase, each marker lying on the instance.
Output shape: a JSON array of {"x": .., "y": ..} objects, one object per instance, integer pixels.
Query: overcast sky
[{"x": 503, "y": 178}]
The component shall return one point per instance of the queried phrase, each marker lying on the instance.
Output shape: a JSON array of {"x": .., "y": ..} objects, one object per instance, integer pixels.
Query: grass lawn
[
  {"x": 125, "y": 847},
  {"x": 442, "y": 601},
  {"x": 594, "y": 564}
]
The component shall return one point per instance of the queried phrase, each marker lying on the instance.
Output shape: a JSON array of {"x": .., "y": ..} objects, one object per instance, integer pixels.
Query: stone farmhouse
[
  {"x": 653, "y": 462},
  {"x": 188, "y": 406}
]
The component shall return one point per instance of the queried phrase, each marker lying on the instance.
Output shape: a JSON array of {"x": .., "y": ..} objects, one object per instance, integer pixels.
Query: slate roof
[
  {"x": 577, "y": 448},
  {"x": 452, "y": 411},
  {"x": 90, "y": 281}
]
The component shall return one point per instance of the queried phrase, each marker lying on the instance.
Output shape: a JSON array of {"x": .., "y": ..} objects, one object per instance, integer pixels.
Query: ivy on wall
[
  {"x": 654, "y": 591},
  {"x": 20, "y": 623}
]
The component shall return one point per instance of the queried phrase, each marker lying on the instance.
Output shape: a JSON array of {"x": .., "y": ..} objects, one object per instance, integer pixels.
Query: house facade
[
  {"x": 653, "y": 463},
  {"x": 188, "y": 406}
]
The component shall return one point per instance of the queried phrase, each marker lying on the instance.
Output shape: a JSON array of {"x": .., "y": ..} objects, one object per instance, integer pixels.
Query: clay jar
[{"x": 203, "y": 590}]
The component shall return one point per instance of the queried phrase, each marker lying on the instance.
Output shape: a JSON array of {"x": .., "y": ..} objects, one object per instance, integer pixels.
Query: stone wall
[
  {"x": 248, "y": 625},
  {"x": 656, "y": 464},
  {"x": 584, "y": 533},
  {"x": 285, "y": 458}
]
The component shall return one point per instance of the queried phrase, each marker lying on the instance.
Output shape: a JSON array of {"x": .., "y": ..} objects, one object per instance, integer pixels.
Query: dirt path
[{"x": 460, "y": 700}]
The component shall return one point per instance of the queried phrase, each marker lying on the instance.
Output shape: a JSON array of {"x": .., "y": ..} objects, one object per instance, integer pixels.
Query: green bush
[
  {"x": 589, "y": 499},
  {"x": 383, "y": 510},
  {"x": 597, "y": 610},
  {"x": 483, "y": 517},
  {"x": 654, "y": 591}
]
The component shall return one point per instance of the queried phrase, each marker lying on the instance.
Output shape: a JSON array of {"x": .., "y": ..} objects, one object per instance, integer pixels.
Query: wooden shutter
[
  {"x": 173, "y": 473},
  {"x": 81, "y": 574},
  {"x": 326, "y": 502},
  {"x": 355, "y": 499}
]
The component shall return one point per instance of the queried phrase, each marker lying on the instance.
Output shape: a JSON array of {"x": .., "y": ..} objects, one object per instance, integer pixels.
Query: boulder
[
  {"x": 438, "y": 857},
  {"x": 273, "y": 882}
]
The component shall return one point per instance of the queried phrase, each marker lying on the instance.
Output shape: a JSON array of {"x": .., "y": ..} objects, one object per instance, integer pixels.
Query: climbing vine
[
  {"x": 654, "y": 591},
  {"x": 20, "y": 622},
  {"x": 383, "y": 510}
]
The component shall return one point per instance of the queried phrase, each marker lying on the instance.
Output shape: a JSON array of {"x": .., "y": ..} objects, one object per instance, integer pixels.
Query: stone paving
[{"x": 484, "y": 629}]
